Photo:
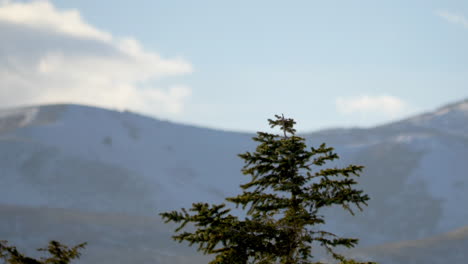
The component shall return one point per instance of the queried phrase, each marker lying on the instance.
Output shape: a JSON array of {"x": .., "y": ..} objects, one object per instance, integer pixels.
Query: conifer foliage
[
  {"x": 283, "y": 199},
  {"x": 59, "y": 254}
]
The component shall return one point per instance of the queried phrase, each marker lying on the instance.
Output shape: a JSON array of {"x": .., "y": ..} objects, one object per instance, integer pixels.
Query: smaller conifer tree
[
  {"x": 59, "y": 254},
  {"x": 283, "y": 199}
]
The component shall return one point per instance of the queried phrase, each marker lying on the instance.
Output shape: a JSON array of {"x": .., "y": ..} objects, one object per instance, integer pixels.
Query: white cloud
[
  {"x": 453, "y": 18},
  {"x": 388, "y": 106},
  {"x": 53, "y": 56},
  {"x": 41, "y": 14}
]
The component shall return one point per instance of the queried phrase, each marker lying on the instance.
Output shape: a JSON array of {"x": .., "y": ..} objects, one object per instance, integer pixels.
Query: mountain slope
[
  {"x": 88, "y": 158},
  {"x": 96, "y": 161},
  {"x": 450, "y": 247},
  {"x": 111, "y": 237},
  {"x": 415, "y": 175}
]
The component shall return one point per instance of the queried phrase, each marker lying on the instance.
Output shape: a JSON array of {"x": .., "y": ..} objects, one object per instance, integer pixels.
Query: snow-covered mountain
[
  {"x": 71, "y": 156},
  {"x": 416, "y": 175},
  {"x": 89, "y": 161}
]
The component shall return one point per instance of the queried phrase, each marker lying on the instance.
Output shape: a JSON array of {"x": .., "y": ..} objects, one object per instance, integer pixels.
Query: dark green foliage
[
  {"x": 59, "y": 254},
  {"x": 283, "y": 198}
]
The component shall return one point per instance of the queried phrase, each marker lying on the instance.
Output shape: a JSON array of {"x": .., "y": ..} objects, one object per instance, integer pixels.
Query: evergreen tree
[
  {"x": 60, "y": 254},
  {"x": 283, "y": 198}
]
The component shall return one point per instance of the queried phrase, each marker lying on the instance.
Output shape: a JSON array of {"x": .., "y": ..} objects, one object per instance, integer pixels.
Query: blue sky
[{"x": 233, "y": 64}]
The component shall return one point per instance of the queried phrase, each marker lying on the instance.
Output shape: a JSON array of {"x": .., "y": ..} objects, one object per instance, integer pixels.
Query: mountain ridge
[{"x": 449, "y": 107}]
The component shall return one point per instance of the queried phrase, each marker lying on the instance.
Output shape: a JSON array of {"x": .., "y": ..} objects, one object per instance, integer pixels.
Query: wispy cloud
[
  {"x": 386, "y": 105},
  {"x": 453, "y": 17},
  {"x": 49, "y": 56}
]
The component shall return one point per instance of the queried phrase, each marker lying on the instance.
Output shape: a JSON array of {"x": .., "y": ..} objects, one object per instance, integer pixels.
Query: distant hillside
[
  {"x": 449, "y": 247},
  {"x": 415, "y": 173},
  {"x": 112, "y": 237},
  {"x": 71, "y": 156},
  {"x": 94, "y": 161}
]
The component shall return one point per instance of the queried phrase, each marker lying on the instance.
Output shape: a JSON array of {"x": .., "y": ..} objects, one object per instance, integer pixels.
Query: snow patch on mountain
[
  {"x": 11, "y": 119},
  {"x": 449, "y": 119}
]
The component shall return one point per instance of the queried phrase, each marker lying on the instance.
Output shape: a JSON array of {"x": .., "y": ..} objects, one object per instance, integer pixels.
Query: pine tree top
[{"x": 283, "y": 199}]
